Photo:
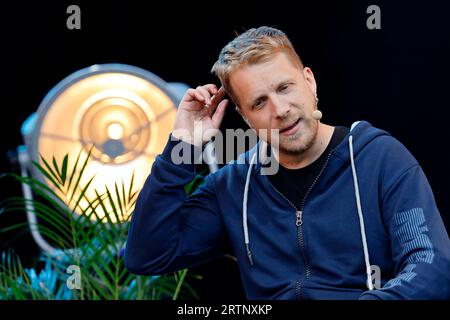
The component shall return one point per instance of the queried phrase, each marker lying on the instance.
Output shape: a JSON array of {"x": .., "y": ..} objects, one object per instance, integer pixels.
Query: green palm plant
[{"x": 90, "y": 237}]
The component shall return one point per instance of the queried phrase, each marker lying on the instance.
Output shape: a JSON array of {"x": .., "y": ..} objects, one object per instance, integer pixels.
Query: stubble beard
[{"x": 302, "y": 140}]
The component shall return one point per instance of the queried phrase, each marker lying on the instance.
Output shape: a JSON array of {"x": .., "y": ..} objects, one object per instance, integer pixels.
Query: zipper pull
[{"x": 299, "y": 220}]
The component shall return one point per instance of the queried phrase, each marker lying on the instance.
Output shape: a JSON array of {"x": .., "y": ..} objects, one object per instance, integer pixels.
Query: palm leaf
[{"x": 95, "y": 241}]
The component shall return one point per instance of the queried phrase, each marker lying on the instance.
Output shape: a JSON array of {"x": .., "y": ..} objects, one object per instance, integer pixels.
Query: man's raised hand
[{"x": 200, "y": 114}]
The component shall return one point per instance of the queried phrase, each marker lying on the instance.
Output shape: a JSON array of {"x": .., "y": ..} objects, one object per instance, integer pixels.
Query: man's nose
[{"x": 280, "y": 107}]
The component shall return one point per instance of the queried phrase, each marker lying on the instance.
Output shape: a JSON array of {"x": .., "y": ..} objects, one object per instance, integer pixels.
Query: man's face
[{"x": 278, "y": 95}]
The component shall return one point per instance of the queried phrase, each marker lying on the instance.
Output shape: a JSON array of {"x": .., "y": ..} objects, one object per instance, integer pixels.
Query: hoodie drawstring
[
  {"x": 361, "y": 218},
  {"x": 244, "y": 211}
]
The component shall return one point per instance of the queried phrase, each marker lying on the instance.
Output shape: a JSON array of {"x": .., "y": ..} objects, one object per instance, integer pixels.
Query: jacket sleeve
[
  {"x": 169, "y": 230},
  {"x": 419, "y": 241}
]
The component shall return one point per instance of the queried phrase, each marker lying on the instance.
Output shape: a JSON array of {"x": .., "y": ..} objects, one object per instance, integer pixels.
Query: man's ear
[{"x": 310, "y": 80}]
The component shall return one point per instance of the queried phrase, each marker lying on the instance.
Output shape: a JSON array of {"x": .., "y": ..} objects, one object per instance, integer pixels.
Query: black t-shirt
[{"x": 294, "y": 183}]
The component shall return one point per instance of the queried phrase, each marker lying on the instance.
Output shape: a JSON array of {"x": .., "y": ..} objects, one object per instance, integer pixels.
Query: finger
[
  {"x": 220, "y": 94},
  {"x": 205, "y": 93},
  {"x": 212, "y": 88},
  {"x": 217, "y": 99},
  {"x": 220, "y": 112},
  {"x": 193, "y": 95}
]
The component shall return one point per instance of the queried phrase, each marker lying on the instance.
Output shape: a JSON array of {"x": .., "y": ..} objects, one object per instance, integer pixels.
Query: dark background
[{"x": 395, "y": 78}]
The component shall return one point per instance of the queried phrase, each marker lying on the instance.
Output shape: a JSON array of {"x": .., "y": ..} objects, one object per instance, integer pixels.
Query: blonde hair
[{"x": 256, "y": 45}]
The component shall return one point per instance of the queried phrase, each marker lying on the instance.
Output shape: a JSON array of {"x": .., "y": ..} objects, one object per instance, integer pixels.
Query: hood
[{"x": 360, "y": 135}]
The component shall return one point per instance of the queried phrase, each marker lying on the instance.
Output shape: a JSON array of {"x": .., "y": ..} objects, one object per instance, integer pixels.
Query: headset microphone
[{"x": 316, "y": 114}]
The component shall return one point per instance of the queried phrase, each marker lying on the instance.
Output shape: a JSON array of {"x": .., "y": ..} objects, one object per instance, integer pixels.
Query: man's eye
[
  {"x": 258, "y": 104},
  {"x": 284, "y": 87}
]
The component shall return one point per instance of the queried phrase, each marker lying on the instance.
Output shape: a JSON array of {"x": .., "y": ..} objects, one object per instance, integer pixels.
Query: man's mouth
[{"x": 290, "y": 130}]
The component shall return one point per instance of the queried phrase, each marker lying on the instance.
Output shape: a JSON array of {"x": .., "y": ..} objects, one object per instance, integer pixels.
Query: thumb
[{"x": 220, "y": 112}]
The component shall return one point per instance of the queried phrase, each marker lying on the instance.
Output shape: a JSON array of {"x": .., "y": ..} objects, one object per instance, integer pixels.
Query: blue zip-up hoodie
[{"x": 371, "y": 209}]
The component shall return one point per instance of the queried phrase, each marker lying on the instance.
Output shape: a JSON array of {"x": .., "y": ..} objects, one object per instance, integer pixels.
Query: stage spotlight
[{"x": 124, "y": 113}]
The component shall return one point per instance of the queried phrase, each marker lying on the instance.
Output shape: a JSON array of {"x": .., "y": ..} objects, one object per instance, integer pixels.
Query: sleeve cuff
[{"x": 182, "y": 153}]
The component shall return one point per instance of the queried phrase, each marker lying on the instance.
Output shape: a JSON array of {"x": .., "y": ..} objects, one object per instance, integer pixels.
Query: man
[{"x": 349, "y": 214}]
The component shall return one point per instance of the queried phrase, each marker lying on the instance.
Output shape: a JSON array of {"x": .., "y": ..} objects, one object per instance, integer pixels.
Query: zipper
[
  {"x": 299, "y": 216},
  {"x": 299, "y": 223},
  {"x": 297, "y": 288},
  {"x": 315, "y": 181}
]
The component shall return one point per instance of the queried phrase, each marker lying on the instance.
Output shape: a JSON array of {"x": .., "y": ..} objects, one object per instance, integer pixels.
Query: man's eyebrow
[
  {"x": 285, "y": 81},
  {"x": 279, "y": 84}
]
